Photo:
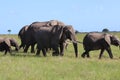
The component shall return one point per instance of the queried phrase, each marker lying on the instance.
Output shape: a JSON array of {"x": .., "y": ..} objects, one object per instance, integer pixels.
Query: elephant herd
[
  {"x": 53, "y": 35},
  {"x": 47, "y": 35}
]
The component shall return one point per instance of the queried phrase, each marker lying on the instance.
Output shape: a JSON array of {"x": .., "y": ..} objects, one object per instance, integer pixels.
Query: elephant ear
[
  {"x": 57, "y": 32},
  {"x": 107, "y": 38},
  {"x": 7, "y": 41}
]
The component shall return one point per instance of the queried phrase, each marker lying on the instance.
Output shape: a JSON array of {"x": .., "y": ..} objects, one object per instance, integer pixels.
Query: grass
[{"x": 29, "y": 67}]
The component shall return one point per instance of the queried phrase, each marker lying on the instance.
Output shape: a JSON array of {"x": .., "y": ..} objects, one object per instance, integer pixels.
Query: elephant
[
  {"x": 55, "y": 37},
  {"x": 14, "y": 43},
  {"x": 99, "y": 41},
  {"x": 6, "y": 43},
  {"x": 22, "y": 35},
  {"x": 34, "y": 27}
]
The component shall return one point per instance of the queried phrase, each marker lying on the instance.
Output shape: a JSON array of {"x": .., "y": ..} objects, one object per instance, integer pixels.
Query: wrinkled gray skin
[
  {"x": 102, "y": 41},
  {"x": 6, "y": 43},
  {"x": 34, "y": 27},
  {"x": 22, "y": 35},
  {"x": 55, "y": 37}
]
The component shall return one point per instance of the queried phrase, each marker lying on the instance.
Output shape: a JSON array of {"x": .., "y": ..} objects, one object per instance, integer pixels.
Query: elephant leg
[
  {"x": 62, "y": 47},
  {"x": 26, "y": 48},
  {"x": 85, "y": 53},
  {"x": 9, "y": 49},
  {"x": 16, "y": 49},
  {"x": 38, "y": 52},
  {"x": 101, "y": 53},
  {"x": 32, "y": 48},
  {"x": 5, "y": 52},
  {"x": 109, "y": 52},
  {"x": 21, "y": 46},
  {"x": 56, "y": 51},
  {"x": 88, "y": 55},
  {"x": 44, "y": 52}
]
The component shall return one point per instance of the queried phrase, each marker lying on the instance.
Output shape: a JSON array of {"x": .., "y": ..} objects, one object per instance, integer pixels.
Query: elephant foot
[
  {"x": 37, "y": 55},
  {"x": 32, "y": 51},
  {"x": 88, "y": 56},
  {"x": 61, "y": 54},
  {"x": 4, "y": 54},
  {"x": 99, "y": 57},
  {"x": 44, "y": 55},
  {"x": 55, "y": 54},
  {"x": 111, "y": 57},
  {"x": 25, "y": 51},
  {"x": 83, "y": 55}
]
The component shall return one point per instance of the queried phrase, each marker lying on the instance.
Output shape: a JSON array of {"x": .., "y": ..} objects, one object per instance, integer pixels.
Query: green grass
[{"x": 29, "y": 67}]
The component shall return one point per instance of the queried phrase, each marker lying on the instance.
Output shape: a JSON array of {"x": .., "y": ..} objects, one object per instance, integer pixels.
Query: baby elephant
[
  {"x": 6, "y": 43},
  {"x": 102, "y": 41}
]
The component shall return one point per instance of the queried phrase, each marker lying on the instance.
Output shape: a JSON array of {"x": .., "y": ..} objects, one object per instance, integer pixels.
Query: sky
[{"x": 83, "y": 15}]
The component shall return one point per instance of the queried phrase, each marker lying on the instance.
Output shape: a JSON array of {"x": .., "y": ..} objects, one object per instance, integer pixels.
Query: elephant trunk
[
  {"x": 16, "y": 46},
  {"x": 75, "y": 49},
  {"x": 75, "y": 46}
]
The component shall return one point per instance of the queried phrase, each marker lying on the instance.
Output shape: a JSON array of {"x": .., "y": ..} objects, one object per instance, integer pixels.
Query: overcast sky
[{"x": 84, "y": 15}]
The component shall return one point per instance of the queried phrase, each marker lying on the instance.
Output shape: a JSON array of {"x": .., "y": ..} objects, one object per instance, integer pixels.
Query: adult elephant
[
  {"x": 55, "y": 37},
  {"x": 34, "y": 27},
  {"x": 6, "y": 43},
  {"x": 102, "y": 41},
  {"x": 22, "y": 35}
]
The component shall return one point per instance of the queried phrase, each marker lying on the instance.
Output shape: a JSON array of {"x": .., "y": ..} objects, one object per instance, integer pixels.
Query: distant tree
[
  {"x": 105, "y": 30},
  {"x": 76, "y": 31},
  {"x": 9, "y": 31}
]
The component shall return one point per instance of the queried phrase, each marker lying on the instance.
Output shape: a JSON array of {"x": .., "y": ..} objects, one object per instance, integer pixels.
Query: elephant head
[
  {"x": 14, "y": 43},
  {"x": 61, "y": 34},
  {"x": 111, "y": 39},
  {"x": 69, "y": 33},
  {"x": 114, "y": 40}
]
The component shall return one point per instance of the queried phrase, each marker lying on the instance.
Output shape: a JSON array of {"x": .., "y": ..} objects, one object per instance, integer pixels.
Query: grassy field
[{"x": 29, "y": 67}]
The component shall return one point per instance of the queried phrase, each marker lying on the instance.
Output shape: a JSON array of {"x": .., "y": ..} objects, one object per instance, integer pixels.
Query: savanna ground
[{"x": 23, "y": 66}]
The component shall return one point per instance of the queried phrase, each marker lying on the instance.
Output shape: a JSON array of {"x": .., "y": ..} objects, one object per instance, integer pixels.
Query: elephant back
[
  {"x": 23, "y": 31},
  {"x": 1, "y": 39},
  {"x": 56, "y": 23},
  {"x": 46, "y": 24},
  {"x": 7, "y": 41}
]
